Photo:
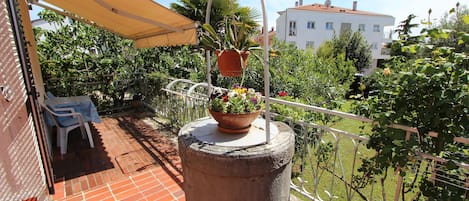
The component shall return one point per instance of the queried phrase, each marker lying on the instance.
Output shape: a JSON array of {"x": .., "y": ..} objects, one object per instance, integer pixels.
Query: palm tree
[{"x": 196, "y": 9}]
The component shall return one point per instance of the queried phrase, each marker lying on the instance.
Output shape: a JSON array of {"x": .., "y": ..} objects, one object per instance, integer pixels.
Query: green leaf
[{"x": 465, "y": 19}]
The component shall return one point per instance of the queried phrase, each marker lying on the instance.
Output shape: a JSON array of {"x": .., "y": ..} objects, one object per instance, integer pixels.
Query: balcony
[{"x": 136, "y": 155}]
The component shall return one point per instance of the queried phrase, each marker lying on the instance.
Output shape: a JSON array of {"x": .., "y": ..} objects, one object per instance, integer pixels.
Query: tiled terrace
[{"x": 132, "y": 160}]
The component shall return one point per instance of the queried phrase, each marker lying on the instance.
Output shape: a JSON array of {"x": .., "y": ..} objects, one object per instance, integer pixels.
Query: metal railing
[{"x": 326, "y": 162}]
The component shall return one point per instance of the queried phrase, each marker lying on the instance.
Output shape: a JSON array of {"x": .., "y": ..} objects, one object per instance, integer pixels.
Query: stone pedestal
[{"x": 226, "y": 167}]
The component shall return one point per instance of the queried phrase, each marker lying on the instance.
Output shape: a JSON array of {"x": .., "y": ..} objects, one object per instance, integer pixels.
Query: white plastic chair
[{"x": 65, "y": 126}]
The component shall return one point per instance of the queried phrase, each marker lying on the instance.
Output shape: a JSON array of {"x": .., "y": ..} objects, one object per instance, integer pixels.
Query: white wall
[
  {"x": 280, "y": 26},
  {"x": 319, "y": 34},
  {"x": 40, "y": 23}
]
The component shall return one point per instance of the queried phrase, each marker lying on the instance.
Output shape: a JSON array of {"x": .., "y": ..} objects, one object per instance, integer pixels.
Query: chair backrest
[
  {"x": 50, "y": 95},
  {"x": 49, "y": 115}
]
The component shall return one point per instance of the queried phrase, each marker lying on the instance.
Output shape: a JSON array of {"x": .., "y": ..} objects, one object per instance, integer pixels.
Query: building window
[
  {"x": 376, "y": 28},
  {"x": 292, "y": 29},
  {"x": 361, "y": 27},
  {"x": 310, "y": 44},
  {"x": 374, "y": 46},
  {"x": 329, "y": 26},
  {"x": 310, "y": 25},
  {"x": 344, "y": 27}
]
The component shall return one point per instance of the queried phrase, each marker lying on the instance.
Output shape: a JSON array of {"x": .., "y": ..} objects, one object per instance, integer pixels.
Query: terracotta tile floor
[{"x": 131, "y": 161}]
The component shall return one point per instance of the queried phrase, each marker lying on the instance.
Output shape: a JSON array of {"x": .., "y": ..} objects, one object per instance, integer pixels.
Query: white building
[{"x": 308, "y": 26}]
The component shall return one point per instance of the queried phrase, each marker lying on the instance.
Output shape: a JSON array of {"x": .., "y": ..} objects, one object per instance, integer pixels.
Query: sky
[{"x": 400, "y": 9}]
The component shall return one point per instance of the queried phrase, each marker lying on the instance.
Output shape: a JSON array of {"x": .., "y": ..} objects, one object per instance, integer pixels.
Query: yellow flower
[
  {"x": 387, "y": 71},
  {"x": 240, "y": 90}
]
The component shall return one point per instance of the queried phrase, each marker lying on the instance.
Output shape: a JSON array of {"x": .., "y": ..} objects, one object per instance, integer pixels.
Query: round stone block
[{"x": 248, "y": 170}]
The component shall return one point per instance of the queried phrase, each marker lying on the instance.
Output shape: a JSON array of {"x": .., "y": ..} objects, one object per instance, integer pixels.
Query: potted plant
[
  {"x": 235, "y": 109},
  {"x": 232, "y": 45}
]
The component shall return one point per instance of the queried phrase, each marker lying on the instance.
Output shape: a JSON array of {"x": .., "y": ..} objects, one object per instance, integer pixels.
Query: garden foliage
[
  {"x": 426, "y": 86},
  {"x": 78, "y": 59}
]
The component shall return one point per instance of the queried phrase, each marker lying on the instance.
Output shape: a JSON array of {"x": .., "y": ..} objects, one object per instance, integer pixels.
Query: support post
[{"x": 266, "y": 75}]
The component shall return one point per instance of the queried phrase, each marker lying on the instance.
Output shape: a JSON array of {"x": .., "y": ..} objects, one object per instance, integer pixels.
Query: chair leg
[
  {"x": 63, "y": 140},
  {"x": 82, "y": 131},
  {"x": 88, "y": 132},
  {"x": 58, "y": 137}
]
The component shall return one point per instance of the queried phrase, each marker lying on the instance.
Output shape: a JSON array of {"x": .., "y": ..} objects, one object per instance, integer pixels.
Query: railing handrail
[{"x": 327, "y": 111}]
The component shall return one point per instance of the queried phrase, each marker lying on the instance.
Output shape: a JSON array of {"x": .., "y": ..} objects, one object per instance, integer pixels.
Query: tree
[
  {"x": 196, "y": 10},
  {"x": 404, "y": 31},
  {"x": 352, "y": 46},
  {"x": 75, "y": 54},
  {"x": 359, "y": 51},
  {"x": 455, "y": 19}
]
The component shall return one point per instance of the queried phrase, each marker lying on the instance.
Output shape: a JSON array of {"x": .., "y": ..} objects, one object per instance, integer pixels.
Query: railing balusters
[{"x": 318, "y": 147}]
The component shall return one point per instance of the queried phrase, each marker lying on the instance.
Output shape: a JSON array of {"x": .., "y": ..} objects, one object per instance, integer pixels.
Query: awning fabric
[{"x": 146, "y": 22}]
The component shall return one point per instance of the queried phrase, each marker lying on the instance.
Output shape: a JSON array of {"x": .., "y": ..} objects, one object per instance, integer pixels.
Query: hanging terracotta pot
[
  {"x": 229, "y": 62},
  {"x": 234, "y": 123}
]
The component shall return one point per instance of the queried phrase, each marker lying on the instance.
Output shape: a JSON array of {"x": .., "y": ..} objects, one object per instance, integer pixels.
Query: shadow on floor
[
  {"x": 80, "y": 159},
  {"x": 161, "y": 149}
]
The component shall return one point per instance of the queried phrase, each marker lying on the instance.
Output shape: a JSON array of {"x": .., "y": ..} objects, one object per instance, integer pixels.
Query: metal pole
[
  {"x": 266, "y": 74},
  {"x": 207, "y": 53}
]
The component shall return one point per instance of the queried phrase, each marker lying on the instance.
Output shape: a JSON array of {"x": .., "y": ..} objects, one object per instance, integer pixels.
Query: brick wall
[{"x": 21, "y": 172}]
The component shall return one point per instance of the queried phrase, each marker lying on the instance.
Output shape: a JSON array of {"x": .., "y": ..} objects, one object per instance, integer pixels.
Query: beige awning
[{"x": 146, "y": 22}]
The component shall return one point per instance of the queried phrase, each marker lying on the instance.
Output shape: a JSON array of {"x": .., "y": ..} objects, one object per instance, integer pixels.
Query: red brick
[
  {"x": 68, "y": 188},
  {"x": 166, "y": 198},
  {"x": 108, "y": 199},
  {"x": 122, "y": 188},
  {"x": 158, "y": 171},
  {"x": 76, "y": 186},
  {"x": 97, "y": 191},
  {"x": 126, "y": 194},
  {"x": 84, "y": 184},
  {"x": 178, "y": 194},
  {"x": 134, "y": 197},
  {"x": 59, "y": 195},
  {"x": 148, "y": 185},
  {"x": 174, "y": 188},
  {"x": 75, "y": 198},
  {"x": 120, "y": 183},
  {"x": 102, "y": 196},
  {"x": 152, "y": 190},
  {"x": 158, "y": 195},
  {"x": 142, "y": 176},
  {"x": 168, "y": 182},
  {"x": 91, "y": 180},
  {"x": 145, "y": 181},
  {"x": 99, "y": 179},
  {"x": 60, "y": 184}
]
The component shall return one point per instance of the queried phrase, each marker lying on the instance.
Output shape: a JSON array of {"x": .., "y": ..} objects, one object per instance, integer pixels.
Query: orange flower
[{"x": 387, "y": 71}]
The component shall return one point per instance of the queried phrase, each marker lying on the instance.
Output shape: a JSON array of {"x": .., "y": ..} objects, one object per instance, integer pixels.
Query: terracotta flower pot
[
  {"x": 229, "y": 62},
  {"x": 234, "y": 123}
]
